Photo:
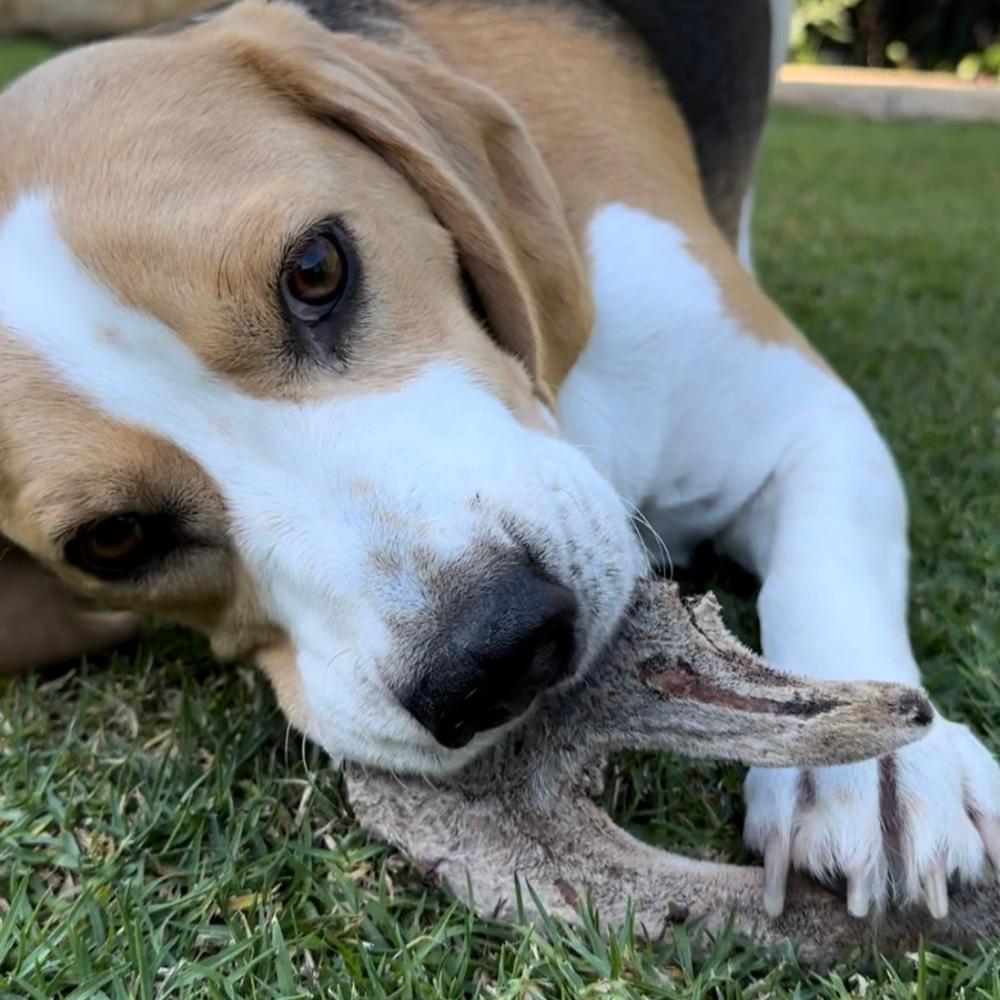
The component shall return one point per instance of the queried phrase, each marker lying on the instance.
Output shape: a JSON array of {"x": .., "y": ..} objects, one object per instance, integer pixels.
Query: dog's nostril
[{"x": 512, "y": 641}]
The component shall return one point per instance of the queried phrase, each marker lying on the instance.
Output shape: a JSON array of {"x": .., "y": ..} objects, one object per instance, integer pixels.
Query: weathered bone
[{"x": 673, "y": 678}]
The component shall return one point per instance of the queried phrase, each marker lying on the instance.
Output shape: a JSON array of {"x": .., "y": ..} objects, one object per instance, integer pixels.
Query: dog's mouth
[
  {"x": 688, "y": 686},
  {"x": 672, "y": 678}
]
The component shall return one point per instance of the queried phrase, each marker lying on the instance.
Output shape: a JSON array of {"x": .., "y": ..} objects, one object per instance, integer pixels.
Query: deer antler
[{"x": 673, "y": 678}]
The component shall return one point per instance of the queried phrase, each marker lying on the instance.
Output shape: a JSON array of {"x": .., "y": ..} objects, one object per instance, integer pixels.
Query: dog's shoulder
[{"x": 715, "y": 56}]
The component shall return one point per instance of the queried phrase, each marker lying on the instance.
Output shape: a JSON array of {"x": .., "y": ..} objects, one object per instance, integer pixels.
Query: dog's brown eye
[
  {"x": 314, "y": 279},
  {"x": 118, "y": 546}
]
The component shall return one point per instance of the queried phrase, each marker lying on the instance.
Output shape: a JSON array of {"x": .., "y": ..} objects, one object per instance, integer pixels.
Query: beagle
[{"x": 358, "y": 335}]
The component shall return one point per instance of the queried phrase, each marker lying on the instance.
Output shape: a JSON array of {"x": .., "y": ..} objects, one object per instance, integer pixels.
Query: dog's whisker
[
  {"x": 637, "y": 515},
  {"x": 575, "y": 394}
]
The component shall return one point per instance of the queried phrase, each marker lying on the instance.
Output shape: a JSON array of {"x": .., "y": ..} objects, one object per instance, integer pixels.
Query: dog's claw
[
  {"x": 859, "y": 894},
  {"x": 936, "y": 890},
  {"x": 989, "y": 833},
  {"x": 777, "y": 862}
]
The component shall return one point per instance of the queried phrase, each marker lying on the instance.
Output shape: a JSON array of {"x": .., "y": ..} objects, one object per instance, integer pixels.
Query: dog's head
[{"x": 280, "y": 314}]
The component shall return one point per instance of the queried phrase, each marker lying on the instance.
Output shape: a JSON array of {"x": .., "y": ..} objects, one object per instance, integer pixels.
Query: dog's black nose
[{"x": 507, "y": 643}]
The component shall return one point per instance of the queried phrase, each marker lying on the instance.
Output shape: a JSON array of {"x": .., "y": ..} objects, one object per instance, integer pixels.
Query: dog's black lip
[
  {"x": 508, "y": 714},
  {"x": 583, "y": 665}
]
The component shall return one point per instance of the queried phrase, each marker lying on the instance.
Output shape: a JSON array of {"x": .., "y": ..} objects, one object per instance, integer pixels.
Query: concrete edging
[{"x": 886, "y": 95}]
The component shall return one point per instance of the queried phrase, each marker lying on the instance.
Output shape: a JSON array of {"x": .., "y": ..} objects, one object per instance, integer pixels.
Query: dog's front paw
[{"x": 896, "y": 829}]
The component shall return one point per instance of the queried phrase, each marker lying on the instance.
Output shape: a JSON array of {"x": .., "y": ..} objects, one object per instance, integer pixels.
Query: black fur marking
[
  {"x": 716, "y": 56},
  {"x": 363, "y": 17},
  {"x": 805, "y": 793},
  {"x": 891, "y": 815}
]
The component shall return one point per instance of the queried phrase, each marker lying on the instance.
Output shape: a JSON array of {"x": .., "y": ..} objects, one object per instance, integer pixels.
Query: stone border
[{"x": 886, "y": 95}]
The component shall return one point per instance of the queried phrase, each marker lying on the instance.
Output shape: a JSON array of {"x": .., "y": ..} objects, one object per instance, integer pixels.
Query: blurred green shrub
[
  {"x": 954, "y": 35},
  {"x": 817, "y": 23}
]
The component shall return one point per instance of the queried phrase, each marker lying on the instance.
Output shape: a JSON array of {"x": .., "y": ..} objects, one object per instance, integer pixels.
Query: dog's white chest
[{"x": 673, "y": 400}]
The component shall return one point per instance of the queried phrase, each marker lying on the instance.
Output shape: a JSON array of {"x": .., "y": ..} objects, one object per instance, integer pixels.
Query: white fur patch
[
  {"x": 316, "y": 491},
  {"x": 940, "y": 782},
  {"x": 712, "y": 419},
  {"x": 717, "y": 435}
]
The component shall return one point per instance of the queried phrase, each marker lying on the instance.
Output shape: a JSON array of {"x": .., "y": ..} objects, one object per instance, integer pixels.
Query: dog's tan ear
[
  {"x": 41, "y": 621},
  {"x": 463, "y": 149}
]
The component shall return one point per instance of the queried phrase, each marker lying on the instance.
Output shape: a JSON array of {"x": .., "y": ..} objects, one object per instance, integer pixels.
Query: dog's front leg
[
  {"x": 747, "y": 437},
  {"x": 827, "y": 535}
]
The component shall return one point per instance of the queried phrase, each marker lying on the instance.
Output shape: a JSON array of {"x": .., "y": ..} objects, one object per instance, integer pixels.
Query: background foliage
[{"x": 961, "y": 35}]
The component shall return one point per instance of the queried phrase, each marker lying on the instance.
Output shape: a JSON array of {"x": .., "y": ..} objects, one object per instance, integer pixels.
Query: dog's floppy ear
[
  {"x": 463, "y": 149},
  {"x": 42, "y": 622}
]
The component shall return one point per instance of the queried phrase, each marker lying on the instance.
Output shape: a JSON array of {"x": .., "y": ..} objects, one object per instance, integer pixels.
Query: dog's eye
[
  {"x": 314, "y": 278},
  {"x": 120, "y": 546}
]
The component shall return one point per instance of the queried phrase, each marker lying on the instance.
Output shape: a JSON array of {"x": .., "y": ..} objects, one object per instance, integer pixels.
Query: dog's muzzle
[{"x": 506, "y": 641}]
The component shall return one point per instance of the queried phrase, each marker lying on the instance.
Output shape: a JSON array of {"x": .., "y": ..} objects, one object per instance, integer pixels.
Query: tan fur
[
  {"x": 606, "y": 127},
  {"x": 278, "y": 663},
  {"x": 119, "y": 132},
  {"x": 491, "y": 135},
  {"x": 460, "y": 148}
]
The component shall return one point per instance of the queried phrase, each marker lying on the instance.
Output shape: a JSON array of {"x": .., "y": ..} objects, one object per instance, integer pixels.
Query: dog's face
[{"x": 274, "y": 337}]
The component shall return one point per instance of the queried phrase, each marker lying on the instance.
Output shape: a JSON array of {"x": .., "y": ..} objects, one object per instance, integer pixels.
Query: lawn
[{"x": 163, "y": 834}]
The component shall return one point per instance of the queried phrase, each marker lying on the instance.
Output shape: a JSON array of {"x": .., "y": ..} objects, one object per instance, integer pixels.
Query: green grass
[
  {"x": 17, "y": 57},
  {"x": 162, "y": 834}
]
